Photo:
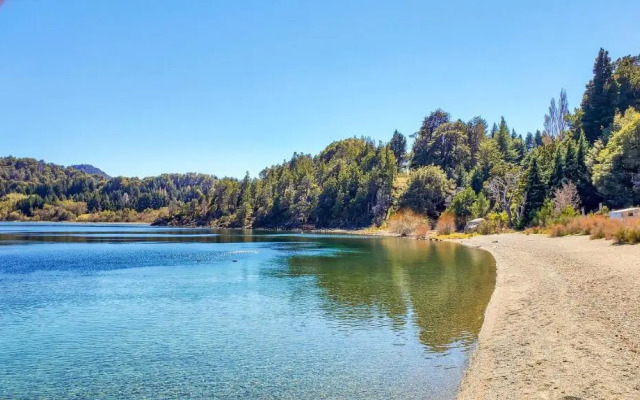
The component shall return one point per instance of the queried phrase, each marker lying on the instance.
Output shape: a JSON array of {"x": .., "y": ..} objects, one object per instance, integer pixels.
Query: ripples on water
[{"x": 130, "y": 311}]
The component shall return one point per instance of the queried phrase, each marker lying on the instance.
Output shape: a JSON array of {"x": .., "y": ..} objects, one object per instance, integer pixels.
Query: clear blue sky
[{"x": 141, "y": 87}]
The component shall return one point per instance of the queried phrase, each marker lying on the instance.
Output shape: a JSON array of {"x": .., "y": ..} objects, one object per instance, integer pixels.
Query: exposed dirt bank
[{"x": 563, "y": 322}]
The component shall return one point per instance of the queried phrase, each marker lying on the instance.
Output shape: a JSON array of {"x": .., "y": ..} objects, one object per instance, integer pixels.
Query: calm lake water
[{"x": 132, "y": 311}]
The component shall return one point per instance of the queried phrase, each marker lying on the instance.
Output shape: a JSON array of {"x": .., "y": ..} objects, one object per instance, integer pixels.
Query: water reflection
[{"x": 443, "y": 288}]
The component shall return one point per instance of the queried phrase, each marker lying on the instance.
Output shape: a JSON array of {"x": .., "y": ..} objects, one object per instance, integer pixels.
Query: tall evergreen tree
[
  {"x": 477, "y": 132},
  {"x": 494, "y": 130},
  {"x": 529, "y": 143},
  {"x": 398, "y": 145},
  {"x": 518, "y": 149},
  {"x": 503, "y": 139},
  {"x": 536, "y": 192},
  {"x": 571, "y": 166},
  {"x": 425, "y": 135},
  {"x": 589, "y": 196},
  {"x": 557, "y": 174},
  {"x": 599, "y": 100},
  {"x": 537, "y": 139}
]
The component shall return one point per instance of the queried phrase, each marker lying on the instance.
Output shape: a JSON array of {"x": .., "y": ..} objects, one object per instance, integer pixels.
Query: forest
[{"x": 580, "y": 161}]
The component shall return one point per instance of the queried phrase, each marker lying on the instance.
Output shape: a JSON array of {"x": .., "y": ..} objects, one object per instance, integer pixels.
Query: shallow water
[{"x": 132, "y": 311}]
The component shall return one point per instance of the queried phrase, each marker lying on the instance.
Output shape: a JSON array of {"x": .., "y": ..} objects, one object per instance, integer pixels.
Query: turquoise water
[{"x": 132, "y": 311}]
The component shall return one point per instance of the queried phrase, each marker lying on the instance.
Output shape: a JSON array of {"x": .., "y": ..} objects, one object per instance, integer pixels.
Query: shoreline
[
  {"x": 562, "y": 322},
  {"x": 77, "y": 222}
]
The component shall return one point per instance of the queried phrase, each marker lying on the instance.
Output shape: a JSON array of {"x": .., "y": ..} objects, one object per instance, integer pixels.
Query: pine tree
[
  {"x": 599, "y": 100},
  {"x": 244, "y": 199},
  {"x": 536, "y": 192},
  {"x": 503, "y": 139},
  {"x": 557, "y": 176},
  {"x": 538, "y": 139},
  {"x": 398, "y": 145},
  {"x": 477, "y": 133},
  {"x": 529, "y": 143},
  {"x": 588, "y": 194},
  {"x": 494, "y": 130},
  {"x": 571, "y": 166}
]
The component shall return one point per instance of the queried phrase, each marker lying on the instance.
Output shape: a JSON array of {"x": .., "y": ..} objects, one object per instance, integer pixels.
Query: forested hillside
[
  {"x": 32, "y": 189},
  {"x": 90, "y": 169},
  {"x": 581, "y": 158}
]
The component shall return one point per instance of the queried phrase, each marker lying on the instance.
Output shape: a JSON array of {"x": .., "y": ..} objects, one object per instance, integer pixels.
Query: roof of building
[{"x": 627, "y": 209}]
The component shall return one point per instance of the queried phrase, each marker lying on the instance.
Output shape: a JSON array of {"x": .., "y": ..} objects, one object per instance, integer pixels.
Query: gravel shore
[{"x": 563, "y": 322}]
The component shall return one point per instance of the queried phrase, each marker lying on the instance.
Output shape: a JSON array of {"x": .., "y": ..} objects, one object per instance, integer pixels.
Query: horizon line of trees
[{"x": 580, "y": 159}]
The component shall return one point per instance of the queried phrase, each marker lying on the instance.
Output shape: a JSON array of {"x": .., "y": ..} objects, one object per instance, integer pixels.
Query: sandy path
[{"x": 563, "y": 322}]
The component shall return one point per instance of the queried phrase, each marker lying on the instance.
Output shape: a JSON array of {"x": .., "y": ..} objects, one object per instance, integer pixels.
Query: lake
[{"x": 133, "y": 311}]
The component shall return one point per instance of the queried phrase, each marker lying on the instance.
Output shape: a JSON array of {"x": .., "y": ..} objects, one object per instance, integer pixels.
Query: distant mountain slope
[{"x": 90, "y": 169}]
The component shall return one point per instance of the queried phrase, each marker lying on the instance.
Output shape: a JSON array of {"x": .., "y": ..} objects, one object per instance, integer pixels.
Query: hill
[{"x": 91, "y": 170}]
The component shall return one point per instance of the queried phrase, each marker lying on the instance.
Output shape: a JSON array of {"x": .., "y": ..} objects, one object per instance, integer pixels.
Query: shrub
[
  {"x": 422, "y": 231},
  {"x": 446, "y": 224},
  {"x": 494, "y": 223},
  {"x": 558, "y": 230},
  {"x": 598, "y": 226},
  {"x": 545, "y": 214},
  {"x": 462, "y": 206},
  {"x": 407, "y": 222},
  {"x": 632, "y": 236},
  {"x": 480, "y": 208},
  {"x": 566, "y": 198}
]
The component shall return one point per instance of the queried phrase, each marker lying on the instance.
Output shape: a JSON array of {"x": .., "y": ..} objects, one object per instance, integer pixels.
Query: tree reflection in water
[{"x": 442, "y": 288}]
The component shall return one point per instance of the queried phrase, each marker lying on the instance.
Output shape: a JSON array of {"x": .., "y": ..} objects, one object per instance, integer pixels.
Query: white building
[{"x": 625, "y": 213}]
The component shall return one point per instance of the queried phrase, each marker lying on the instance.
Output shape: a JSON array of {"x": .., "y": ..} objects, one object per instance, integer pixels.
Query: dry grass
[
  {"x": 456, "y": 235},
  {"x": 407, "y": 222},
  {"x": 600, "y": 227},
  {"x": 446, "y": 224}
]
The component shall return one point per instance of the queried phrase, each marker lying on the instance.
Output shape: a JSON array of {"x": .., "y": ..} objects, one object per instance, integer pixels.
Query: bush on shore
[
  {"x": 407, "y": 222},
  {"x": 494, "y": 223},
  {"x": 600, "y": 227},
  {"x": 446, "y": 224}
]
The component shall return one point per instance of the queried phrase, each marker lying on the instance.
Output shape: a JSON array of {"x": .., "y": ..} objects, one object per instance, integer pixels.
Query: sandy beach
[{"x": 563, "y": 322}]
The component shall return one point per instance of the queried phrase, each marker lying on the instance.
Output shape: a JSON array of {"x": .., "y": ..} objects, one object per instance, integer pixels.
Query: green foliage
[
  {"x": 627, "y": 77},
  {"x": 536, "y": 192},
  {"x": 494, "y": 223},
  {"x": 462, "y": 206},
  {"x": 504, "y": 141},
  {"x": 537, "y": 139},
  {"x": 398, "y": 145},
  {"x": 425, "y": 135},
  {"x": 544, "y": 215},
  {"x": 480, "y": 207},
  {"x": 529, "y": 142},
  {"x": 477, "y": 134},
  {"x": 449, "y": 148},
  {"x": 557, "y": 175},
  {"x": 599, "y": 101},
  {"x": 616, "y": 172},
  {"x": 428, "y": 189}
]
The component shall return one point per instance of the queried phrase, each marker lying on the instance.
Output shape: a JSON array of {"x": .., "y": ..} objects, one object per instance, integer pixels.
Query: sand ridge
[{"x": 563, "y": 322}]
